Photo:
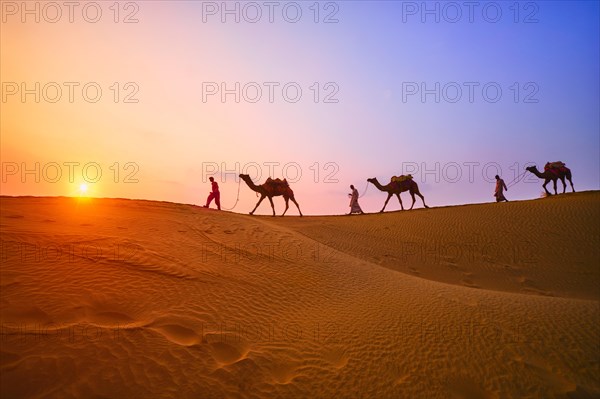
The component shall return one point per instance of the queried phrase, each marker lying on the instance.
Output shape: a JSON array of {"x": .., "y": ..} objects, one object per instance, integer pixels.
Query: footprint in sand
[
  {"x": 338, "y": 358},
  {"x": 451, "y": 266},
  {"x": 397, "y": 373},
  {"x": 390, "y": 256},
  {"x": 283, "y": 373},
  {"x": 529, "y": 286},
  {"x": 524, "y": 280},
  {"x": 545, "y": 372},
  {"x": 178, "y": 334},
  {"x": 225, "y": 353},
  {"x": 467, "y": 282},
  {"x": 403, "y": 379},
  {"x": 110, "y": 318}
]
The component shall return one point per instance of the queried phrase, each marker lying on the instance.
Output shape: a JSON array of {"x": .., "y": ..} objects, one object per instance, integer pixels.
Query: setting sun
[{"x": 296, "y": 199}]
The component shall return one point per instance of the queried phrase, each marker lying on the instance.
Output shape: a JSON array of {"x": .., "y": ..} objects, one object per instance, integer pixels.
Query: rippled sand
[{"x": 111, "y": 298}]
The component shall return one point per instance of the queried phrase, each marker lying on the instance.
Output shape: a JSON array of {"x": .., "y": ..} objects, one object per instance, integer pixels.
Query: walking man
[
  {"x": 499, "y": 192},
  {"x": 215, "y": 194},
  {"x": 354, "y": 207}
]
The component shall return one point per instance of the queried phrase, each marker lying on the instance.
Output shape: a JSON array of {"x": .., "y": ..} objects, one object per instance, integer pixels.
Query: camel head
[
  {"x": 371, "y": 179},
  {"x": 247, "y": 179},
  {"x": 531, "y": 168}
]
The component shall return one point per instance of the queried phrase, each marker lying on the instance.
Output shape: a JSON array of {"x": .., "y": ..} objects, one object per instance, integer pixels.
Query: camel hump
[
  {"x": 401, "y": 178},
  {"x": 555, "y": 165},
  {"x": 278, "y": 181}
]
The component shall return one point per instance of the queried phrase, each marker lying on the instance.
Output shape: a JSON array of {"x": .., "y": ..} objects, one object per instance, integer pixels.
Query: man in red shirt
[{"x": 215, "y": 194}]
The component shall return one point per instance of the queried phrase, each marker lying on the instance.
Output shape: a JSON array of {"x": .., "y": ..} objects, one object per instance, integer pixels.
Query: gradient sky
[{"x": 548, "y": 52}]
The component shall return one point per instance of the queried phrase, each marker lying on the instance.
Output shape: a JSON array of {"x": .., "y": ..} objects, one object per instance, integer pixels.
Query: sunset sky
[{"x": 506, "y": 84}]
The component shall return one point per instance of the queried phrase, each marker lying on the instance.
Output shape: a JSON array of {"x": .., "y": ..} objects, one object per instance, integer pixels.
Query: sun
[{"x": 83, "y": 191}]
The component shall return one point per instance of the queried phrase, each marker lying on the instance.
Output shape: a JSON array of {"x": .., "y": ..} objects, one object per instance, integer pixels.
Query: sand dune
[{"x": 112, "y": 298}]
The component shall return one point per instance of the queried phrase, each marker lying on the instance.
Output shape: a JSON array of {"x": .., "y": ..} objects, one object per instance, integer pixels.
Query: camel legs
[
  {"x": 422, "y": 198},
  {"x": 386, "y": 201},
  {"x": 412, "y": 195},
  {"x": 297, "y": 206},
  {"x": 400, "y": 200},
  {"x": 565, "y": 184},
  {"x": 554, "y": 184},
  {"x": 569, "y": 176},
  {"x": 262, "y": 197},
  {"x": 272, "y": 206},
  {"x": 562, "y": 179},
  {"x": 544, "y": 186},
  {"x": 287, "y": 205},
  {"x": 570, "y": 181}
]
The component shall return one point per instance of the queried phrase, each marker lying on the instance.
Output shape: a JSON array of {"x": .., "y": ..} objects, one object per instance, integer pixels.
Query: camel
[
  {"x": 399, "y": 187},
  {"x": 549, "y": 175},
  {"x": 272, "y": 188}
]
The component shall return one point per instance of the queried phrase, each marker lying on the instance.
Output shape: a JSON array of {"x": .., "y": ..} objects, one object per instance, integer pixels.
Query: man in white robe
[
  {"x": 354, "y": 207},
  {"x": 499, "y": 192}
]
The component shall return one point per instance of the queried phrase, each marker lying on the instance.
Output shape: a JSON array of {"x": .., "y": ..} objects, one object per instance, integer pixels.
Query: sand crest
[{"x": 121, "y": 298}]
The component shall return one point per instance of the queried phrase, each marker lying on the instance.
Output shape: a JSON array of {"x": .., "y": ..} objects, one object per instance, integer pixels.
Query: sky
[{"x": 147, "y": 99}]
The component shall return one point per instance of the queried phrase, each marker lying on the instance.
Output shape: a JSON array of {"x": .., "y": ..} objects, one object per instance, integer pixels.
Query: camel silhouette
[
  {"x": 399, "y": 187},
  {"x": 553, "y": 174},
  {"x": 272, "y": 188}
]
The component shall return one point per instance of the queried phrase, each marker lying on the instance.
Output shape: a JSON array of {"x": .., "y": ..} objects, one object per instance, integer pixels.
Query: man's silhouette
[
  {"x": 215, "y": 194},
  {"x": 499, "y": 192},
  {"x": 354, "y": 207}
]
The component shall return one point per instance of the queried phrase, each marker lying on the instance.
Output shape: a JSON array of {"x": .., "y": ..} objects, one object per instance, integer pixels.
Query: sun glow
[{"x": 83, "y": 188}]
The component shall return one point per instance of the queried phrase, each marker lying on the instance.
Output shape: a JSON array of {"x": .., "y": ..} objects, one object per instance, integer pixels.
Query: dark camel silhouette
[
  {"x": 549, "y": 175},
  {"x": 399, "y": 187},
  {"x": 272, "y": 188}
]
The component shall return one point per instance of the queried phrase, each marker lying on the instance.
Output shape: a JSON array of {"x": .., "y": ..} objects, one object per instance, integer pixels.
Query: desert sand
[{"x": 115, "y": 298}]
